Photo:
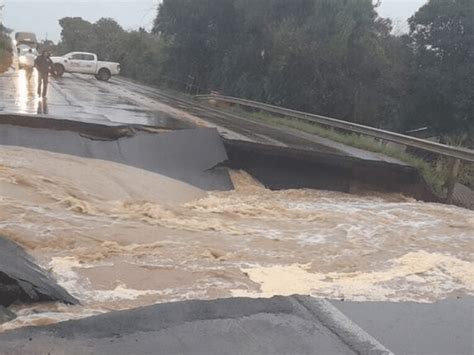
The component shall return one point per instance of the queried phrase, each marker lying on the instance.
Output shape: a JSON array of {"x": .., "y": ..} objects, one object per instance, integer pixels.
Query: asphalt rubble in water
[{"x": 21, "y": 280}]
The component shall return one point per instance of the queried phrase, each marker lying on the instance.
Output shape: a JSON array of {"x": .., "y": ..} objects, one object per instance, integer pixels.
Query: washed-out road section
[{"x": 279, "y": 157}]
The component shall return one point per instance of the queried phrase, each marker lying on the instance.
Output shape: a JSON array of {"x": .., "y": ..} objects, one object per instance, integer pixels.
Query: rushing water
[{"x": 117, "y": 237}]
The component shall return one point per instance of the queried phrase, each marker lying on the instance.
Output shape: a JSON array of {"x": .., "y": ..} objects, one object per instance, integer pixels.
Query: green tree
[
  {"x": 143, "y": 60},
  {"x": 109, "y": 38},
  {"x": 333, "y": 57},
  {"x": 5, "y": 48},
  {"x": 442, "y": 90},
  {"x": 47, "y": 45},
  {"x": 77, "y": 35},
  {"x": 198, "y": 33}
]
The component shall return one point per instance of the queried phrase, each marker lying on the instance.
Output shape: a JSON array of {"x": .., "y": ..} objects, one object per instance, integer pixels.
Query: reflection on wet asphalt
[
  {"x": 25, "y": 91},
  {"x": 83, "y": 98}
]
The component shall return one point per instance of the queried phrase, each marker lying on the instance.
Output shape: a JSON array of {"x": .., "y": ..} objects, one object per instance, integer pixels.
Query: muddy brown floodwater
[{"x": 117, "y": 237}]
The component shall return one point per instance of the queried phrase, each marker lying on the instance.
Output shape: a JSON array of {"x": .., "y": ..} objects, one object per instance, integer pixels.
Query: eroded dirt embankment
[{"x": 118, "y": 237}]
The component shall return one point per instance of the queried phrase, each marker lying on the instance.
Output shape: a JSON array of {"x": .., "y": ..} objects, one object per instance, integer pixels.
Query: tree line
[
  {"x": 332, "y": 57},
  {"x": 5, "y": 47}
]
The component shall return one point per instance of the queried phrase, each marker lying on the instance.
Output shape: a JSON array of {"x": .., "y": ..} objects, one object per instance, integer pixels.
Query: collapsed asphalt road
[
  {"x": 81, "y": 98},
  {"x": 188, "y": 155}
]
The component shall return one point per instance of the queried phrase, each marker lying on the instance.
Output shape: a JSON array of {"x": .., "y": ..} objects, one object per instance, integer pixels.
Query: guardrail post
[{"x": 454, "y": 168}]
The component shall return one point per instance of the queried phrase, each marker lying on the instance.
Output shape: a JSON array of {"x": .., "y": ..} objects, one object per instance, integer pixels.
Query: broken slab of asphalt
[
  {"x": 280, "y": 325},
  {"x": 196, "y": 156},
  {"x": 22, "y": 281},
  {"x": 187, "y": 155},
  {"x": 280, "y": 168}
]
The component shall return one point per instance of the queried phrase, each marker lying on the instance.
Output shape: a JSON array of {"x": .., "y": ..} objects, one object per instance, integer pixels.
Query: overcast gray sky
[{"x": 41, "y": 16}]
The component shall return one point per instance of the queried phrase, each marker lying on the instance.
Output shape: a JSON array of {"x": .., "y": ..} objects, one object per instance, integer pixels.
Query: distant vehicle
[
  {"x": 26, "y": 38},
  {"x": 85, "y": 63},
  {"x": 22, "y": 50},
  {"x": 24, "y": 41}
]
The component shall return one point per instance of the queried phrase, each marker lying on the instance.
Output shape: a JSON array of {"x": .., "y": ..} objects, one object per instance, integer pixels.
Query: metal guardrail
[{"x": 463, "y": 154}]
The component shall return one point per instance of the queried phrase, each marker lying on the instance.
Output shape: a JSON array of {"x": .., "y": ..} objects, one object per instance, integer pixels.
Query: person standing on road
[
  {"x": 43, "y": 65},
  {"x": 29, "y": 63}
]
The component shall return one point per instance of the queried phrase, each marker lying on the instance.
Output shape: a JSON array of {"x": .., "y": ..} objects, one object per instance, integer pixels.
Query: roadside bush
[{"x": 5, "y": 50}]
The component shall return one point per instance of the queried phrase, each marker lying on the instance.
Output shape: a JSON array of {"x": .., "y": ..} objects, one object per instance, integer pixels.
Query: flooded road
[{"x": 117, "y": 237}]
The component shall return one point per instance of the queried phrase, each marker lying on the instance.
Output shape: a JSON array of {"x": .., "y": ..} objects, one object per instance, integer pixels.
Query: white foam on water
[
  {"x": 64, "y": 267},
  {"x": 419, "y": 276}
]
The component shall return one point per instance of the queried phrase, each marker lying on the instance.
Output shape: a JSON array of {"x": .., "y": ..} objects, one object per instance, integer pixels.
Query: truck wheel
[
  {"x": 104, "y": 74},
  {"x": 59, "y": 70}
]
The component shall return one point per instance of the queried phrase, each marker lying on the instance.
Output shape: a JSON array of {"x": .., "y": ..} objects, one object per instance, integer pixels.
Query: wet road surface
[{"x": 83, "y": 98}]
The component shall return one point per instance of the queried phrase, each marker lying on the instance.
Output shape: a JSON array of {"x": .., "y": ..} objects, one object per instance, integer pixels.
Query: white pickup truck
[{"x": 84, "y": 63}]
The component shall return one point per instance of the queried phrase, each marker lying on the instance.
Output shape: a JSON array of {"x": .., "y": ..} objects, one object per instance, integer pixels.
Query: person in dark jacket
[{"x": 43, "y": 65}]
